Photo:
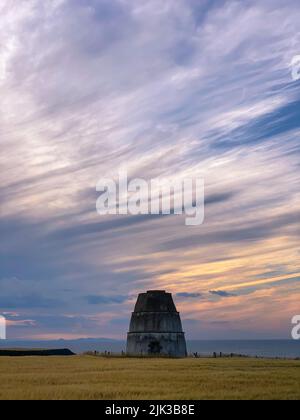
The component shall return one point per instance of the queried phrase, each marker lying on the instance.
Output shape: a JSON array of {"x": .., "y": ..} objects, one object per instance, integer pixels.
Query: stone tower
[{"x": 155, "y": 327}]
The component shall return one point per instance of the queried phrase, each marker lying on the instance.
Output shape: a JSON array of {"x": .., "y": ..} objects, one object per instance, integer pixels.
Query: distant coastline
[
  {"x": 35, "y": 352},
  {"x": 285, "y": 349}
]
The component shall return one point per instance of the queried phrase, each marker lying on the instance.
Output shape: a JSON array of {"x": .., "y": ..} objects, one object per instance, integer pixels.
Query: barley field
[{"x": 87, "y": 377}]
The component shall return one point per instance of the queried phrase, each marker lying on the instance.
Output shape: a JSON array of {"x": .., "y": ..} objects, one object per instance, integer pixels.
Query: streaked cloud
[
  {"x": 188, "y": 295},
  {"x": 105, "y": 300},
  {"x": 221, "y": 293}
]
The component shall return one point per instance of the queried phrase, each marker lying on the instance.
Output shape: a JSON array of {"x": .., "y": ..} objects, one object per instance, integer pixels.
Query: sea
[{"x": 286, "y": 349}]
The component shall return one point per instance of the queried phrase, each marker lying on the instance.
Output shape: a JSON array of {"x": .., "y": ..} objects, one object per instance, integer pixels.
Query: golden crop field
[{"x": 87, "y": 377}]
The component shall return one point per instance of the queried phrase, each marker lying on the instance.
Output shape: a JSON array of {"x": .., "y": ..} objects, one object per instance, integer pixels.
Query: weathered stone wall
[
  {"x": 160, "y": 344},
  {"x": 155, "y": 327},
  {"x": 155, "y": 322}
]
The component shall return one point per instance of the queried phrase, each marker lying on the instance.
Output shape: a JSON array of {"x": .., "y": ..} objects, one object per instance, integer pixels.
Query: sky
[{"x": 179, "y": 88}]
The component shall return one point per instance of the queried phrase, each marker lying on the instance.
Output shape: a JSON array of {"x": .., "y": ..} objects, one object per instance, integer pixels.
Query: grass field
[{"x": 86, "y": 377}]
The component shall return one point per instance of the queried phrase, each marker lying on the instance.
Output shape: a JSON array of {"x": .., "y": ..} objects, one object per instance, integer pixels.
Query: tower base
[{"x": 156, "y": 344}]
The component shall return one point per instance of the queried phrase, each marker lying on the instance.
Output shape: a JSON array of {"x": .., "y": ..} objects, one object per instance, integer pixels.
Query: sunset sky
[{"x": 173, "y": 88}]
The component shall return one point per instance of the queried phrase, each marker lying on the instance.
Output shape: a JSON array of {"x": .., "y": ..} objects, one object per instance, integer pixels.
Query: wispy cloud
[
  {"x": 188, "y": 295},
  {"x": 105, "y": 300},
  {"x": 221, "y": 293}
]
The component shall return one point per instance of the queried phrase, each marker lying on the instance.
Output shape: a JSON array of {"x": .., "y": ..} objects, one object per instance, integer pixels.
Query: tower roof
[{"x": 155, "y": 301}]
